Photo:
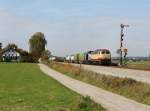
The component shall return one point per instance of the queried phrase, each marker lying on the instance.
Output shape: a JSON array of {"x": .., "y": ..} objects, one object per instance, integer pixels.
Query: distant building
[
  {"x": 11, "y": 53},
  {"x": 52, "y": 58}
]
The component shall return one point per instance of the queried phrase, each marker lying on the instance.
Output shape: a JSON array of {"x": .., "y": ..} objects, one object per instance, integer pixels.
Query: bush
[
  {"x": 45, "y": 55},
  {"x": 86, "y": 104},
  {"x": 30, "y": 58}
]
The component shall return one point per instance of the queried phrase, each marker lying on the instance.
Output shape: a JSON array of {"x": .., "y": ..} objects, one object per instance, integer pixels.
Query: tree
[
  {"x": 46, "y": 55},
  {"x": 37, "y": 44}
]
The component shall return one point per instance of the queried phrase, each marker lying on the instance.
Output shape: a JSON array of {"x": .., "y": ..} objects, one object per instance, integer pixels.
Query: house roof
[
  {"x": 9, "y": 46},
  {"x": 13, "y": 46}
]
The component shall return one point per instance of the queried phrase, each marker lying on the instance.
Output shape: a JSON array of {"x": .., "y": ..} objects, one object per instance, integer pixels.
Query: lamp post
[{"x": 121, "y": 43}]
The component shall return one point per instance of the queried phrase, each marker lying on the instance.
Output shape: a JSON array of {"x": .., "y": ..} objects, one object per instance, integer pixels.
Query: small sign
[{"x": 125, "y": 50}]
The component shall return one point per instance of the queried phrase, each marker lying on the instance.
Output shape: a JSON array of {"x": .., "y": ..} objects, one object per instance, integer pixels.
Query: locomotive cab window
[
  {"x": 107, "y": 52},
  {"x": 102, "y": 52}
]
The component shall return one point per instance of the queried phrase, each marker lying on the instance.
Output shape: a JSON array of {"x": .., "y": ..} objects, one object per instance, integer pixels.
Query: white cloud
[{"x": 77, "y": 34}]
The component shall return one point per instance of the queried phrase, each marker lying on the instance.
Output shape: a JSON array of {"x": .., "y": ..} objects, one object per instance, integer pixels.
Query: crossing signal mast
[
  {"x": 0, "y": 46},
  {"x": 121, "y": 43}
]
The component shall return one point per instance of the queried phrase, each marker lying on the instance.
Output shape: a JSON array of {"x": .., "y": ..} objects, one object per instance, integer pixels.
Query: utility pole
[
  {"x": 121, "y": 43},
  {"x": 0, "y": 46}
]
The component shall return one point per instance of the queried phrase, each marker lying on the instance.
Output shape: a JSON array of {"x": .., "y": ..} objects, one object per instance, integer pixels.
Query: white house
[{"x": 10, "y": 53}]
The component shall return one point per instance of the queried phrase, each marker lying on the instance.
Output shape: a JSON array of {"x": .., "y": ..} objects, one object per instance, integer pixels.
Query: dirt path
[
  {"x": 139, "y": 75},
  {"x": 111, "y": 101}
]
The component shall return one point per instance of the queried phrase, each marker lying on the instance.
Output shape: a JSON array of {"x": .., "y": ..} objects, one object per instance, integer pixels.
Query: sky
[{"x": 72, "y": 26}]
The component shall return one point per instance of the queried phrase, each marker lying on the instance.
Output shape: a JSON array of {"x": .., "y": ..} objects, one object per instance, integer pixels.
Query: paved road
[
  {"x": 111, "y": 101},
  {"x": 139, "y": 75}
]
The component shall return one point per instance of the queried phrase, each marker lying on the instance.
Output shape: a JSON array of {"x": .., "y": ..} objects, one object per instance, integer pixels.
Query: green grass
[
  {"x": 23, "y": 87},
  {"x": 143, "y": 65},
  {"x": 140, "y": 62},
  {"x": 124, "y": 86}
]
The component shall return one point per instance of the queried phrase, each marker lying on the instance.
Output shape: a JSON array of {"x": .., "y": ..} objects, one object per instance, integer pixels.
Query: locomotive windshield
[{"x": 105, "y": 52}]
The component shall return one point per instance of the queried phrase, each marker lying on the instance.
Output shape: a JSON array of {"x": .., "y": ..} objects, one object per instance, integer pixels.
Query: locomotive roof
[{"x": 102, "y": 50}]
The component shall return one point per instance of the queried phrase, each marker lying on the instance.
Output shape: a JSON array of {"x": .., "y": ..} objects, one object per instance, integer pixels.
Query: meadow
[
  {"x": 141, "y": 65},
  {"x": 23, "y": 87}
]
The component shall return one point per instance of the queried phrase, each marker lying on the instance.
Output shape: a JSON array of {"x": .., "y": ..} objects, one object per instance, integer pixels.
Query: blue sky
[{"x": 72, "y": 26}]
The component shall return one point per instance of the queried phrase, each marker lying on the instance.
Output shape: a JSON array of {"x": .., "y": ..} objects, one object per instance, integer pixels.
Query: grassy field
[
  {"x": 124, "y": 86},
  {"x": 23, "y": 87},
  {"x": 143, "y": 65}
]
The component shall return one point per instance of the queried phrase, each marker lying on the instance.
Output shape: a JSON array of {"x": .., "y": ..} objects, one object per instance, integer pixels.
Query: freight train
[{"x": 100, "y": 56}]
